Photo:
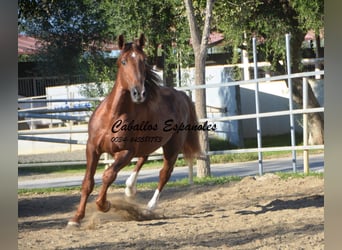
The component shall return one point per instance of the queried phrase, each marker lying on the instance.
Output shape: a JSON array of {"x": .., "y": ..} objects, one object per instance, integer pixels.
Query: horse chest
[{"x": 139, "y": 134}]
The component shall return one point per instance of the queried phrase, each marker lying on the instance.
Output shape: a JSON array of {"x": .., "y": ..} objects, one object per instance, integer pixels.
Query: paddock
[
  {"x": 263, "y": 212},
  {"x": 256, "y": 118}
]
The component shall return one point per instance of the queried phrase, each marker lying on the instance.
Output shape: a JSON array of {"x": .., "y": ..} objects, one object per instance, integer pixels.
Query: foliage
[
  {"x": 287, "y": 175},
  {"x": 162, "y": 22},
  {"x": 178, "y": 183},
  {"x": 68, "y": 29},
  {"x": 149, "y": 185},
  {"x": 269, "y": 21},
  {"x": 310, "y": 14},
  {"x": 73, "y": 28},
  {"x": 100, "y": 71}
]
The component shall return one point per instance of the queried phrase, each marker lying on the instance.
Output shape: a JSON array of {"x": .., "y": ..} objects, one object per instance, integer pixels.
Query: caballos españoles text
[{"x": 168, "y": 126}]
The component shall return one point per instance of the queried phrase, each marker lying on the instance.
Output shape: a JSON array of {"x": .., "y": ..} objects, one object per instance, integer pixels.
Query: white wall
[
  {"x": 219, "y": 97},
  {"x": 273, "y": 96},
  {"x": 37, "y": 147}
]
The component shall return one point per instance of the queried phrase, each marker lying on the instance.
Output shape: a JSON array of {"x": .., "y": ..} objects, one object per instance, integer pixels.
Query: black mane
[{"x": 152, "y": 81}]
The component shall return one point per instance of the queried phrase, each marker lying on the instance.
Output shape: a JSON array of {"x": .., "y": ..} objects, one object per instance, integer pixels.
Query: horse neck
[{"x": 119, "y": 99}]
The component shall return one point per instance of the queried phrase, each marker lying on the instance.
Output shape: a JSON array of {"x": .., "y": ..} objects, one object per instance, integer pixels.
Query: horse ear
[
  {"x": 142, "y": 40},
  {"x": 121, "y": 42}
]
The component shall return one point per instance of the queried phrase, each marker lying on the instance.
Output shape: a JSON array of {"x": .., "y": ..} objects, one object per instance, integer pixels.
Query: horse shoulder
[{"x": 100, "y": 122}]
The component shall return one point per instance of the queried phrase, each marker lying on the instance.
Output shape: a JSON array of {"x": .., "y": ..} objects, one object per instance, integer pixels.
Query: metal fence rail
[{"x": 180, "y": 156}]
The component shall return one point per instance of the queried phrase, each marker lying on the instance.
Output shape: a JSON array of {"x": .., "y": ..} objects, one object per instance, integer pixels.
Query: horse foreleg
[
  {"x": 131, "y": 182},
  {"x": 109, "y": 176},
  {"x": 87, "y": 185},
  {"x": 164, "y": 176}
]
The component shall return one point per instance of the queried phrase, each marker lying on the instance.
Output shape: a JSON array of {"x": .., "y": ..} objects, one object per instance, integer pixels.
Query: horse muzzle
[{"x": 138, "y": 95}]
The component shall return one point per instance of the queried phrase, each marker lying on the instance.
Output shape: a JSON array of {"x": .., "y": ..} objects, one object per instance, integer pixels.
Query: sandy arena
[{"x": 255, "y": 213}]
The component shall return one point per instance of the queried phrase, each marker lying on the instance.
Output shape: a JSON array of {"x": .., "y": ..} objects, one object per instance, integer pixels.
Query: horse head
[{"x": 132, "y": 68}]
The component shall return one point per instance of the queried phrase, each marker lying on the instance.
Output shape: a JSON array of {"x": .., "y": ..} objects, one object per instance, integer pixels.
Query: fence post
[
  {"x": 31, "y": 119},
  {"x": 292, "y": 128},
  {"x": 259, "y": 140},
  {"x": 305, "y": 126},
  {"x": 34, "y": 83},
  {"x": 70, "y": 135}
]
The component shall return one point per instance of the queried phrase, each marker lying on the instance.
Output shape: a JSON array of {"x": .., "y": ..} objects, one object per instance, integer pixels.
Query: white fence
[{"x": 31, "y": 134}]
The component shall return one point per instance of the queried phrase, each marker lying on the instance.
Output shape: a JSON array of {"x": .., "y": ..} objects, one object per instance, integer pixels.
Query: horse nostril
[{"x": 138, "y": 95}]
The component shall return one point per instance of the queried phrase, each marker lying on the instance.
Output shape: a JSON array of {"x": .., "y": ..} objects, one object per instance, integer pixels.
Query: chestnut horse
[{"x": 135, "y": 119}]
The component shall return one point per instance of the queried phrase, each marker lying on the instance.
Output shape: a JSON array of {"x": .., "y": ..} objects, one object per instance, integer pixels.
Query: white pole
[
  {"x": 292, "y": 128},
  {"x": 245, "y": 61},
  {"x": 305, "y": 126},
  {"x": 259, "y": 140}
]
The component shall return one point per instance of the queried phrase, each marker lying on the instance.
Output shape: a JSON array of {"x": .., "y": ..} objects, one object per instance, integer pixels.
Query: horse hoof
[
  {"x": 130, "y": 192},
  {"x": 73, "y": 224},
  {"x": 151, "y": 206},
  {"x": 108, "y": 207},
  {"x": 104, "y": 208}
]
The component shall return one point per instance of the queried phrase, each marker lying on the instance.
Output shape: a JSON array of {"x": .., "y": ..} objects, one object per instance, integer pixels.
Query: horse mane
[{"x": 152, "y": 81}]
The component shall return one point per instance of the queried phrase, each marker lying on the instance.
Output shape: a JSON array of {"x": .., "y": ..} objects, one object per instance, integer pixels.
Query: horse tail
[{"x": 191, "y": 147}]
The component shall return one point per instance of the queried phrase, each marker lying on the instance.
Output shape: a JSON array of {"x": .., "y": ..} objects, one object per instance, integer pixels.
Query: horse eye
[{"x": 123, "y": 62}]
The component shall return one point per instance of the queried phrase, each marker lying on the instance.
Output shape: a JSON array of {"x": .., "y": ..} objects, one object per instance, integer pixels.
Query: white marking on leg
[
  {"x": 73, "y": 224},
  {"x": 152, "y": 204},
  {"x": 131, "y": 185}
]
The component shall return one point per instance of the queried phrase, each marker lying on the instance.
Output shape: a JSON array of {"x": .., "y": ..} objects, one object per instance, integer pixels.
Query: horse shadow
[
  {"x": 277, "y": 205},
  {"x": 65, "y": 203},
  {"x": 46, "y": 206}
]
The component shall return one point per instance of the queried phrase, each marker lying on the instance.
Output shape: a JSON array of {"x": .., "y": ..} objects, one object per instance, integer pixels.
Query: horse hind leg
[
  {"x": 170, "y": 158},
  {"x": 131, "y": 182}
]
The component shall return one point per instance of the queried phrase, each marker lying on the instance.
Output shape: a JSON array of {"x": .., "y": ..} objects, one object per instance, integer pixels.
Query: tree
[
  {"x": 200, "y": 46},
  {"x": 72, "y": 28},
  {"x": 157, "y": 20},
  {"x": 270, "y": 21},
  {"x": 68, "y": 29}
]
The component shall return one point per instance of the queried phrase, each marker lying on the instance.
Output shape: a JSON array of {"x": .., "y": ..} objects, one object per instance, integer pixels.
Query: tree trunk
[
  {"x": 200, "y": 45},
  {"x": 203, "y": 163},
  {"x": 168, "y": 77},
  {"x": 315, "y": 120}
]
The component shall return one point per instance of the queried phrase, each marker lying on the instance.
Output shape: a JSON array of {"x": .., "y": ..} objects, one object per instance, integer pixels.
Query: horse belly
[
  {"x": 147, "y": 143},
  {"x": 140, "y": 142}
]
